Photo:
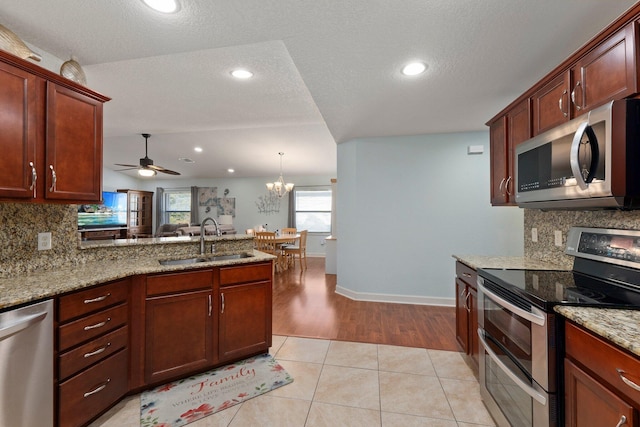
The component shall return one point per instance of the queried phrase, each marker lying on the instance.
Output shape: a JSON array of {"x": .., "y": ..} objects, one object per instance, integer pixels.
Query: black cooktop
[{"x": 547, "y": 288}]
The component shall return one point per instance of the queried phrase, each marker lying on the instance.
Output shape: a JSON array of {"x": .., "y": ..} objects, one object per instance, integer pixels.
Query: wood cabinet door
[
  {"x": 244, "y": 320},
  {"x": 73, "y": 146},
  {"x": 499, "y": 161},
  {"x": 462, "y": 316},
  {"x": 18, "y": 137},
  {"x": 518, "y": 131},
  {"x": 551, "y": 104},
  {"x": 178, "y": 336},
  {"x": 608, "y": 72},
  {"x": 474, "y": 349},
  {"x": 588, "y": 403}
]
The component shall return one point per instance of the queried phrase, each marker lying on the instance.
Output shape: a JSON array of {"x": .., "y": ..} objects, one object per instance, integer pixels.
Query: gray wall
[{"x": 405, "y": 205}]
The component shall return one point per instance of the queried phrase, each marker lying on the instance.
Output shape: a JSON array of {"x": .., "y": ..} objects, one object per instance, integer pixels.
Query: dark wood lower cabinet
[
  {"x": 590, "y": 404},
  {"x": 179, "y": 335},
  {"x": 245, "y": 311}
]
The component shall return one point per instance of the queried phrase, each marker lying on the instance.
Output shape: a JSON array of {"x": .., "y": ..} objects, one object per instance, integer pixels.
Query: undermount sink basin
[{"x": 198, "y": 259}]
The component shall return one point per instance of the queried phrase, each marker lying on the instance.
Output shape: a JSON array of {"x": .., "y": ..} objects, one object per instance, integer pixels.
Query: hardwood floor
[{"x": 306, "y": 305}]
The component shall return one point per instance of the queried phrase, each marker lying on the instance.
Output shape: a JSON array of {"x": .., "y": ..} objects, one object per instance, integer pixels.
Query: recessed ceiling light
[
  {"x": 414, "y": 68},
  {"x": 198, "y": 149},
  {"x": 231, "y": 170},
  {"x": 242, "y": 74},
  {"x": 164, "y": 6}
]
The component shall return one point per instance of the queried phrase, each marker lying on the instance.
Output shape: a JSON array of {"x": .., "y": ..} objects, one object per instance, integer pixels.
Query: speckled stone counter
[
  {"x": 114, "y": 260},
  {"x": 621, "y": 327},
  {"x": 506, "y": 262}
]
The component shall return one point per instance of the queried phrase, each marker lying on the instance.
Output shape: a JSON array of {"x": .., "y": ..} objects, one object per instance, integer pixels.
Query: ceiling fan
[{"x": 146, "y": 167}]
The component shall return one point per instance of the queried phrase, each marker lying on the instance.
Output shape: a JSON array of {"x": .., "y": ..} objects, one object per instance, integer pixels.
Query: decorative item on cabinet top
[
  {"x": 10, "y": 42},
  {"x": 72, "y": 70}
]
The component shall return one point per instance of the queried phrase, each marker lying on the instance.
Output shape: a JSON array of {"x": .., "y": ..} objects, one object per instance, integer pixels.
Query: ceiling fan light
[{"x": 146, "y": 172}]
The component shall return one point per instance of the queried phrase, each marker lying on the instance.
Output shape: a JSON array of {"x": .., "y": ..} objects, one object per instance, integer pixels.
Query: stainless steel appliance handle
[
  {"x": 524, "y": 386},
  {"x": 22, "y": 324},
  {"x": 574, "y": 161},
  {"x": 535, "y": 316}
]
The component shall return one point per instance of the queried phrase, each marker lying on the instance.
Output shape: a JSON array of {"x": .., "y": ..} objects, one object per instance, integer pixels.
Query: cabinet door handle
[
  {"x": 560, "y": 103},
  {"x": 54, "y": 178},
  {"x": 98, "y": 389},
  {"x": 506, "y": 186},
  {"x": 97, "y": 325},
  {"x": 221, "y": 303},
  {"x": 501, "y": 184},
  {"x": 626, "y": 380},
  {"x": 210, "y": 305},
  {"x": 98, "y": 299},
  {"x": 98, "y": 351},
  {"x": 623, "y": 421},
  {"x": 573, "y": 95},
  {"x": 466, "y": 302},
  {"x": 34, "y": 178}
]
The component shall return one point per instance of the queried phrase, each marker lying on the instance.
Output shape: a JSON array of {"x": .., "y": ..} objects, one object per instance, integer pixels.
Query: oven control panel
[{"x": 610, "y": 245}]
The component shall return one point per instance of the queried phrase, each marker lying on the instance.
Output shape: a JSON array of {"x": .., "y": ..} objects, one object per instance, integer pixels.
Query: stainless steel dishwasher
[{"x": 26, "y": 366}]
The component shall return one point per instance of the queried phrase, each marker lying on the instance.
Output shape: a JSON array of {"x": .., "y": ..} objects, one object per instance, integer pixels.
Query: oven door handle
[
  {"x": 535, "y": 315},
  {"x": 524, "y": 386}
]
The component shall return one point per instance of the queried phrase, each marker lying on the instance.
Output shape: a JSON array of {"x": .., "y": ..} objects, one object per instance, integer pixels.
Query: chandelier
[{"x": 279, "y": 188}]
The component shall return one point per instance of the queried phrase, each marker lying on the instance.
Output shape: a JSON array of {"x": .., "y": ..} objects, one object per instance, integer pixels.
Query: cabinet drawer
[
  {"x": 179, "y": 282},
  {"x": 604, "y": 360},
  {"x": 246, "y": 273},
  {"x": 90, "y": 300},
  {"x": 467, "y": 274},
  {"x": 87, "y": 354},
  {"x": 91, "y": 326},
  {"x": 86, "y": 395}
]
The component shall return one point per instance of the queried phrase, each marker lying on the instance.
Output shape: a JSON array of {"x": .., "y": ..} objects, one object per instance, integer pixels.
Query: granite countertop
[
  {"x": 621, "y": 327},
  {"x": 46, "y": 284},
  {"x": 506, "y": 262}
]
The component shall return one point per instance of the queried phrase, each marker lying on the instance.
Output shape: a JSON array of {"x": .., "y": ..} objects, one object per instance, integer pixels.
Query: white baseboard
[{"x": 398, "y": 299}]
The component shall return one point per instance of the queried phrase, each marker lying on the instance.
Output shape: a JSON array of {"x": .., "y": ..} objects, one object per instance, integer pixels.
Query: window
[
  {"x": 177, "y": 206},
  {"x": 313, "y": 209}
]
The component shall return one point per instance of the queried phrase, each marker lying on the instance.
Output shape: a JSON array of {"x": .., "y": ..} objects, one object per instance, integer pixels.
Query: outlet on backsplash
[
  {"x": 557, "y": 234},
  {"x": 534, "y": 234}
]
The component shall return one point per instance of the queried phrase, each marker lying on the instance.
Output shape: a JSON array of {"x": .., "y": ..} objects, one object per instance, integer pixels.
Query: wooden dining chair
[
  {"x": 299, "y": 250},
  {"x": 289, "y": 230},
  {"x": 265, "y": 242}
]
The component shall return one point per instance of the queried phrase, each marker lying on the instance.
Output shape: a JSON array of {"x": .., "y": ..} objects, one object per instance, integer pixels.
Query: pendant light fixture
[{"x": 279, "y": 188}]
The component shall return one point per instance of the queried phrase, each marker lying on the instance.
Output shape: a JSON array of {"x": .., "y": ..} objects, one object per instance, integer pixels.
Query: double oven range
[{"x": 521, "y": 337}]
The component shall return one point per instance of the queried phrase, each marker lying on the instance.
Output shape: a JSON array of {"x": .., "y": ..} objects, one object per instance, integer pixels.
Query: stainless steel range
[{"x": 521, "y": 339}]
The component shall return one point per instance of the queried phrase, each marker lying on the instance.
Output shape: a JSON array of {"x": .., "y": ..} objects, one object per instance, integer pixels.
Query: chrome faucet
[{"x": 218, "y": 233}]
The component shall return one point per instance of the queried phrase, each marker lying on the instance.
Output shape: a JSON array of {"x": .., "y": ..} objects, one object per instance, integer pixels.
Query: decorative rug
[{"x": 190, "y": 399}]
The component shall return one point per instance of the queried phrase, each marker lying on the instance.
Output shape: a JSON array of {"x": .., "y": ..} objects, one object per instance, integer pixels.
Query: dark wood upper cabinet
[
  {"x": 552, "y": 104},
  {"x": 50, "y": 134},
  {"x": 606, "y": 73}
]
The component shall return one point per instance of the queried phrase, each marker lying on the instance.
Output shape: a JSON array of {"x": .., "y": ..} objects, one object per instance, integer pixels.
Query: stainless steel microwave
[{"x": 590, "y": 162}]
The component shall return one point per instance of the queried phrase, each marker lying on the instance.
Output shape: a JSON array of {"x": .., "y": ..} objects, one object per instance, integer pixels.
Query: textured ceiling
[{"x": 325, "y": 71}]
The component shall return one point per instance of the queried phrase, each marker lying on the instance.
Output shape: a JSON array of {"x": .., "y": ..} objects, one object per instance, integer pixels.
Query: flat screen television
[{"x": 112, "y": 213}]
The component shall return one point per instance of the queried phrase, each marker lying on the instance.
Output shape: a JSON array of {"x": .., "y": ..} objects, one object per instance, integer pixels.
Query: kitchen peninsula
[{"x": 125, "y": 322}]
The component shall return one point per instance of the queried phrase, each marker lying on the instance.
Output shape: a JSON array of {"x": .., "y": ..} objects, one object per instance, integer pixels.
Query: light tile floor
[{"x": 350, "y": 384}]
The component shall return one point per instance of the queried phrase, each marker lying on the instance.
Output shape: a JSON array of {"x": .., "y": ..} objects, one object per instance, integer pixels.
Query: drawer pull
[
  {"x": 98, "y": 299},
  {"x": 623, "y": 421},
  {"x": 98, "y": 389},
  {"x": 98, "y": 351},
  {"x": 626, "y": 380},
  {"x": 466, "y": 274},
  {"x": 97, "y": 325}
]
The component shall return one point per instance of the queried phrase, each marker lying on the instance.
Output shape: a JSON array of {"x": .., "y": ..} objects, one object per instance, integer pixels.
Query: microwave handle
[{"x": 575, "y": 150}]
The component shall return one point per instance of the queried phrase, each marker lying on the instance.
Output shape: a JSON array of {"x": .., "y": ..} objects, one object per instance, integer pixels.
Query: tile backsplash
[{"x": 547, "y": 222}]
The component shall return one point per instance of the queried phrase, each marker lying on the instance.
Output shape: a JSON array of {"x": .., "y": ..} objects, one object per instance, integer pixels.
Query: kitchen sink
[{"x": 194, "y": 260}]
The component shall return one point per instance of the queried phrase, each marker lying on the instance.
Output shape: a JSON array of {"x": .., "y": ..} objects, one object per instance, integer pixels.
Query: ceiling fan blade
[
  {"x": 163, "y": 170},
  {"x": 127, "y": 166}
]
